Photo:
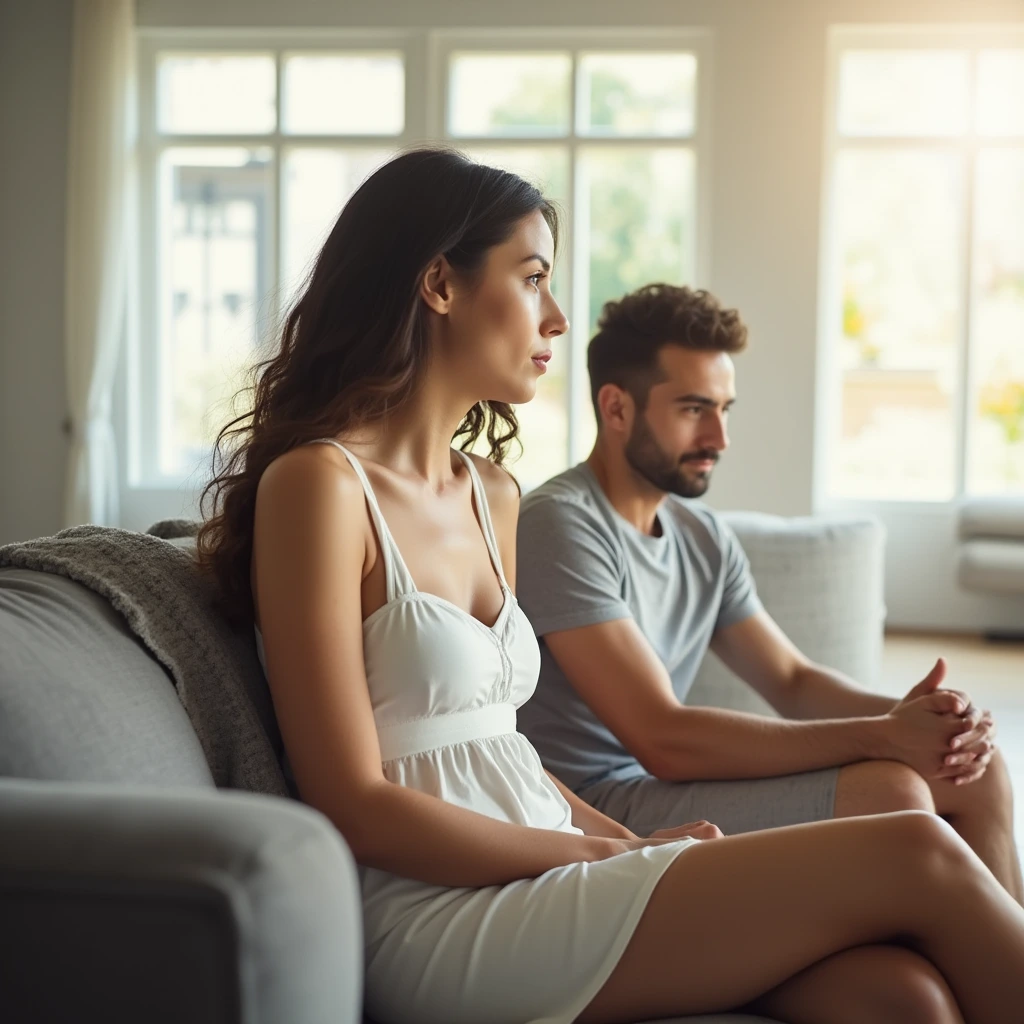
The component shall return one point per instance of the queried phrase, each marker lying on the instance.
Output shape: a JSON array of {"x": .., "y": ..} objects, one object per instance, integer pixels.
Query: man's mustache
[{"x": 700, "y": 457}]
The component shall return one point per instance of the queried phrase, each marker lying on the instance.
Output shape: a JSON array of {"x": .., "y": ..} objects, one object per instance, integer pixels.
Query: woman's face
[{"x": 500, "y": 330}]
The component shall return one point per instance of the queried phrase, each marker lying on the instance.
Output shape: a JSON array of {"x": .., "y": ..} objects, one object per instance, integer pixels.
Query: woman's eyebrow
[{"x": 537, "y": 256}]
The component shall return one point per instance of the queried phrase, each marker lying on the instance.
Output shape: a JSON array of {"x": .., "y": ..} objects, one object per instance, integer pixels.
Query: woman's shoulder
[
  {"x": 307, "y": 477},
  {"x": 500, "y": 485},
  {"x": 310, "y": 465},
  {"x": 502, "y": 494}
]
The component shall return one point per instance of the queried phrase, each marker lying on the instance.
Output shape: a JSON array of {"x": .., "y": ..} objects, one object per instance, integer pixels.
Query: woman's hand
[{"x": 694, "y": 830}]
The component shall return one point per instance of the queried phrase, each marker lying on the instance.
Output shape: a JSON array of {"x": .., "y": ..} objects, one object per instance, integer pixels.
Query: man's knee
[
  {"x": 877, "y": 787},
  {"x": 994, "y": 788}
]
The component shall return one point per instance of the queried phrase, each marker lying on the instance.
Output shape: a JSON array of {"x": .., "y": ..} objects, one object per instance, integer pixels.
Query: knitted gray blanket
[{"x": 168, "y": 604}]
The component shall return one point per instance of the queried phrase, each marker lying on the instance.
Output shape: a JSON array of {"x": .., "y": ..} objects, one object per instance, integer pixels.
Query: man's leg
[
  {"x": 982, "y": 811},
  {"x": 645, "y": 804},
  {"x": 877, "y": 787}
]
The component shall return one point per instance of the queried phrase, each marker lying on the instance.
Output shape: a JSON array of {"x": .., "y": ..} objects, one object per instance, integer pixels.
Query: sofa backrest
[
  {"x": 822, "y": 579},
  {"x": 81, "y": 699}
]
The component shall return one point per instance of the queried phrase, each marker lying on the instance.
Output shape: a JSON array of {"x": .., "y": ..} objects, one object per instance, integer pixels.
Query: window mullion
[
  {"x": 575, "y": 360},
  {"x": 277, "y": 193},
  {"x": 964, "y": 362}
]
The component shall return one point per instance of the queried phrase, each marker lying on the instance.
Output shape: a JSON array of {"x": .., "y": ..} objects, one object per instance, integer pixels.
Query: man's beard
[{"x": 660, "y": 469}]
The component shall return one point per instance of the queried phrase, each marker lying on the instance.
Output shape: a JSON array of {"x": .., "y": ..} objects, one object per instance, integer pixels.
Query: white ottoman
[{"x": 822, "y": 578}]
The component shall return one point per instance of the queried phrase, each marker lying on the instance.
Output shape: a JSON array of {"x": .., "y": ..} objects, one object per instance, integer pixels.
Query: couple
[{"x": 378, "y": 563}]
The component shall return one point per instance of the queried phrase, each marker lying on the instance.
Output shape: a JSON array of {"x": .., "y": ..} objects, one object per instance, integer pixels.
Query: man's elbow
[{"x": 664, "y": 760}]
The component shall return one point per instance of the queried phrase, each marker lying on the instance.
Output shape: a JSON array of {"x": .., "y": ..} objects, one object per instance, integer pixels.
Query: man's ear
[
  {"x": 436, "y": 286},
  {"x": 617, "y": 408}
]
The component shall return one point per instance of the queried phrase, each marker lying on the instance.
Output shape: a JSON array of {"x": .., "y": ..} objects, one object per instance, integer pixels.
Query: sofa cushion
[
  {"x": 992, "y": 517},
  {"x": 822, "y": 579},
  {"x": 80, "y": 697},
  {"x": 992, "y": 565}
]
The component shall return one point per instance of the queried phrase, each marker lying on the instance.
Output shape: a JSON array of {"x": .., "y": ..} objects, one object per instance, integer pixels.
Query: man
[{"x": 628, "y": 582}]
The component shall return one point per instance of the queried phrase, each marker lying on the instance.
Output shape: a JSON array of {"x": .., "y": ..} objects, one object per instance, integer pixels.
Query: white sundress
[{"x": 445, "y": 688}]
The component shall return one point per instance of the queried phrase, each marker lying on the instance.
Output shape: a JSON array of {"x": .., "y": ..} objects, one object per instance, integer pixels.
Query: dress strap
[
  {"x": 487, "y": 527},
  {"x": 396, "y": 573}
]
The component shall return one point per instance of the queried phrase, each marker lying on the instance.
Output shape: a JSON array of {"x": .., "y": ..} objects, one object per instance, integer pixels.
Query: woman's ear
[{"x": 436, "y": 286}]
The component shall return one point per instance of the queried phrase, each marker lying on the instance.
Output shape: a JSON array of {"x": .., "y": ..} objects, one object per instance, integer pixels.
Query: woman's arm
[
  {"x": 311, "y": 540},
  {"x": 590, "y": 819}
]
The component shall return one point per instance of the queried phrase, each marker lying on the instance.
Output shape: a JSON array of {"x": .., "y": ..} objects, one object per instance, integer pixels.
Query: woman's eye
[{"x": 535, "y": 279}]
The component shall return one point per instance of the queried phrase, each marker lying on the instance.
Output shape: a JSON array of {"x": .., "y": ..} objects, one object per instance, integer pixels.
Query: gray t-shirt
[{"x": 580, "y": 563}]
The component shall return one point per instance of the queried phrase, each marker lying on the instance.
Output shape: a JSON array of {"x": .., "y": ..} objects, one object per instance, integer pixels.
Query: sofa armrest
[{"x": 124, "y": 903}]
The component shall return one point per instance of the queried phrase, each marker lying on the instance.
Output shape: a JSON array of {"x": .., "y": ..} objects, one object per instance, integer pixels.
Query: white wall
[
  {"x": 767, "y": 79},
  {"x": 35, "y": 64}
]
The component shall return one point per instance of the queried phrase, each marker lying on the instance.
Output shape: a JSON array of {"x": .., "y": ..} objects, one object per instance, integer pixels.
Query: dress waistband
[{"x": 403, "y": 739}]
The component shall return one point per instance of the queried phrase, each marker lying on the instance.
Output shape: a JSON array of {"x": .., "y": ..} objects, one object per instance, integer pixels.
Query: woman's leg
[
  {"x": 880, "y": 984},
  {"x": 733, "y": 918}
]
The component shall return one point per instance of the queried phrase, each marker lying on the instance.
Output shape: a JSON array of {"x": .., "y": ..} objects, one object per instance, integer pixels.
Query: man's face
[{"x": 676, "y": 441}]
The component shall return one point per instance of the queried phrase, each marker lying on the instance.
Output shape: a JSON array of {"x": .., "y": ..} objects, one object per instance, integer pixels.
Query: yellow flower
[{"x": 1004, "y": 403}]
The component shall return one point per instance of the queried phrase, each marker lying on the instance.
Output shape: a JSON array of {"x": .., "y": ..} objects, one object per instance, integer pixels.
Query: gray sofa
[{"x": 132, "y": 889}]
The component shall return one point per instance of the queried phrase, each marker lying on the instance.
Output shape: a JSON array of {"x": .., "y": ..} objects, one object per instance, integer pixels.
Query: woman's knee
[
  {"x": 923, "y": 845},
  {"x": 908, "y": 989}
]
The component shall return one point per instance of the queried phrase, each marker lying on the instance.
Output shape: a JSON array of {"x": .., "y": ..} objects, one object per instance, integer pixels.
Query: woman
[{"x": 378, "y": 564}]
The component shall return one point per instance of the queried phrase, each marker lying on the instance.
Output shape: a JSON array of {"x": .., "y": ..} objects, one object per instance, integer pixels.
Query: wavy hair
[{"x": 354, "y": 345}]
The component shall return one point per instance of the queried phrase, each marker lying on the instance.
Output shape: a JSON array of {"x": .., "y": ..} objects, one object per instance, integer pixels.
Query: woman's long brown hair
[{"x": 354, "y": 344}]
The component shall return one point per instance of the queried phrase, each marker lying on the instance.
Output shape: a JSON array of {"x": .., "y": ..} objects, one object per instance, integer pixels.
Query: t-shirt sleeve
[
  {"x": 568, "y": 568},
  {"x": 739, "y": 593}
]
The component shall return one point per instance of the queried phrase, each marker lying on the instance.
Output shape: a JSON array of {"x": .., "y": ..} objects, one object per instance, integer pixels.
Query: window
[
  {"x": 250, "y": 149},
  {"x": 924, "y": 284}
]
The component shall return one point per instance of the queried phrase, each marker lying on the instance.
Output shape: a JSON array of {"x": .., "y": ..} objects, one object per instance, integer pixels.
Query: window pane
[
  {"x": 1001, "y": 92},
  {"x": 215, "y": 215},
  {"x": 338, "y": 94},
  {"x": 903, "y": 92},
  {"x": 897, "y": 250},
  {"x": 637, "y": 93},
  {"x": 509, "y": 95},
  {"x": 546, "y": 166},
  {"x": 637, "y": 221},
  {"x": 544, "y": 422},
  {"x": 995, "y": 463},
  {"x": 233, "y": 95},
  {"x": 637, "y": 207},
  {"x": 317, "y": 184}
]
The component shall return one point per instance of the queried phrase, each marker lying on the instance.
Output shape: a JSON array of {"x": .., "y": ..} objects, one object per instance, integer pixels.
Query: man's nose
[{"x": 717, "y": 435}]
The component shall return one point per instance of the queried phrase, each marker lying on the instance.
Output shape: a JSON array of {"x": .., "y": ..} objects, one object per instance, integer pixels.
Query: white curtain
[{"x": 99, "y": 248}]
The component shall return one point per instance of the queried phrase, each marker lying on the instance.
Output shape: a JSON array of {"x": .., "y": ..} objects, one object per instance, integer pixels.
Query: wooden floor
[{"x": 991, "y": 673}]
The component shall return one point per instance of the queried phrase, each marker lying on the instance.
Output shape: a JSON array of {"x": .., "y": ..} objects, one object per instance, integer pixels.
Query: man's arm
[
  {"x": 758, "y": 651},
  {"x": 623, "y": 681}
]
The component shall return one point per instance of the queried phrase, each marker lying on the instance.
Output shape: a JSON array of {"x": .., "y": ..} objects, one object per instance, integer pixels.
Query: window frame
[
  {"x": 145, "y": 493},
  {"x": 443, "y": 44},
  {"x": 966, "y": 147}
]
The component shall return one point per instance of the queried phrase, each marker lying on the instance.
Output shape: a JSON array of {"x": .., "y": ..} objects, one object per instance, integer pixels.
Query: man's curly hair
[{"x": 632, "y": 330}]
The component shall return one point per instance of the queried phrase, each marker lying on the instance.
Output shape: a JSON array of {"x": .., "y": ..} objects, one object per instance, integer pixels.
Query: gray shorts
[{"x": 645, "y": 804}]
